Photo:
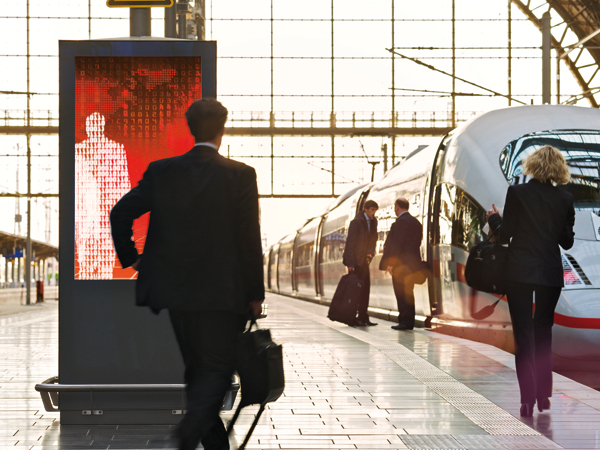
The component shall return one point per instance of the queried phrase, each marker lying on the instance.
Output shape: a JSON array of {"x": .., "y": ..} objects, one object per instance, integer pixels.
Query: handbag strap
[
  {"x": 253, "y": 323},
  {"x": 492, "y": 233}
]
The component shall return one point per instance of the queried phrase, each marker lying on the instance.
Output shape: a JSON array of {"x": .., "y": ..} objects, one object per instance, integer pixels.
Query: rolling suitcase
[
  {"x": 260, "y": 368},
  {"x": 344, "y": 303}
]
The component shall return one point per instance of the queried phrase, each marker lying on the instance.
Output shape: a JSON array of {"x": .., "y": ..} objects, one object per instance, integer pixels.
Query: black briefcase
[
  {"x": 344, "y": 303},
  {"x": 260, "y": 368},
  {"x": 486, "y": 267}
]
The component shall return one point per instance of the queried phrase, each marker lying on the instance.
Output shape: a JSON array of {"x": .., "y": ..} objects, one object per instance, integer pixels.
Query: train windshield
[{"x": 581, "y": 149}]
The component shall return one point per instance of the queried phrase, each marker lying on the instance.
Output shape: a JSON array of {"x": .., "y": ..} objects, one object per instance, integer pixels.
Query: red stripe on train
[{"x": 559, "y": 319}]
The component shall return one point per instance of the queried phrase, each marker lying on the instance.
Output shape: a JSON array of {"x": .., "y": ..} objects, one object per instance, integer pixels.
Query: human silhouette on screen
[{"x": 101, "y": 179}]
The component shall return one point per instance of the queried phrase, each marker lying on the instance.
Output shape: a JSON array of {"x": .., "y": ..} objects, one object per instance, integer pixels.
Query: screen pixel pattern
[{"x": 129, "y": 111}]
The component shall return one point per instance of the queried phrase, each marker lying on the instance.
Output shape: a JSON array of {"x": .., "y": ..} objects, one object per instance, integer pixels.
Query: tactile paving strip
[{"x": 482, "y": 412}]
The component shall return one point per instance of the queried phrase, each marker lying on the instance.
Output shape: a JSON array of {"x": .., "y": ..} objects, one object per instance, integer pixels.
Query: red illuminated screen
[{"x": 129, "y": 111}]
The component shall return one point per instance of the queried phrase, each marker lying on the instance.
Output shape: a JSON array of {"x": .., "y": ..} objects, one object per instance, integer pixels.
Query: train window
[
  {"x": 285, "y": 257},
  {"x": 332, "y": 246},
  {"x": 304, "y": 254},
  {"x": 447, "y": 195},
  {"x": 581, "y": 149},
  {"x": 469, "y": 221},
  {"x": 460, "y": 218}
]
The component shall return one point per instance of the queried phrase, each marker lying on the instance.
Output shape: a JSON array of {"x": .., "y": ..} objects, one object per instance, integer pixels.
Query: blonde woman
[{"x": 538, "y": 217}]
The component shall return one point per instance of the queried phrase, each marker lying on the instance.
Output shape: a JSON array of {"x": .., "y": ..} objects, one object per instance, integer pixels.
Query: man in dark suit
[
  {"x": 202, "y": 261},
  {"x": 402, "y": 259},
  {"x": 358, "y": 253}
]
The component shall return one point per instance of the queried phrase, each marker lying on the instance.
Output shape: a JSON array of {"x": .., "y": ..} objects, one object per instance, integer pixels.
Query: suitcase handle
[{"x": 252, "y": 427}]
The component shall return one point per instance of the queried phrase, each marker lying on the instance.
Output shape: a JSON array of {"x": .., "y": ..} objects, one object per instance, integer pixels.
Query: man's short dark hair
[
  {"x": 371, "y": 204},
  {"x": 206, "y": 118},
  {"x": 402, "y": 203}
]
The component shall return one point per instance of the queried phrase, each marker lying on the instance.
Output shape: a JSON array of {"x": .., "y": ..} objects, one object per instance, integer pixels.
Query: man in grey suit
[{"x": 202, "y": 262}]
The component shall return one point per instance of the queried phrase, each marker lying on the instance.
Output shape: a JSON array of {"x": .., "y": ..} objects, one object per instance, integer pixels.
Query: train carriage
[{"x": 450, "y": 186}]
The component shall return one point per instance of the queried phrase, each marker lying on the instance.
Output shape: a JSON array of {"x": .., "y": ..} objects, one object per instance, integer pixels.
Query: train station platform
[{"x": 359, "y": 388}]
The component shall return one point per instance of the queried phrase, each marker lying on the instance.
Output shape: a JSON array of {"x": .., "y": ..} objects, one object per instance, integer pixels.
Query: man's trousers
[
  {"x": 363, "y": 273},
  {"x": 208, "y": 344},
  {"x": 405, "y": 298}
]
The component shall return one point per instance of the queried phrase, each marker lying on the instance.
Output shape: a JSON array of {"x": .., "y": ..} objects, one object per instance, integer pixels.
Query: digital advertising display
[
  {"x": 122, "y": 105},
  {"x": 129, "y": 111}
]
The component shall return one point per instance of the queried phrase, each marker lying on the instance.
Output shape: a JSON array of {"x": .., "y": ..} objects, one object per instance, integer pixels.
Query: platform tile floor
[{"x": 359, "y": 388}]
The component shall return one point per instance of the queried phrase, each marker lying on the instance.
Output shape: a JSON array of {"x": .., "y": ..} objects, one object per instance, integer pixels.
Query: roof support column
[{"x": 546, "y": 48}]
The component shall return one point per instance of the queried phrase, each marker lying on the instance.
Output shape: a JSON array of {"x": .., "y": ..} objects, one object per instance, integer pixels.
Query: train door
[
  {"x": 268, "y": 269},
  {"x": 422, "y": 297},
  {"x": 433, "y": 211},
  {"x": 293, "y": 265},
  {"x": 318, "y": 273},
  {"x": 273, "y": 271},
  {"x": 361, "y": 202}
]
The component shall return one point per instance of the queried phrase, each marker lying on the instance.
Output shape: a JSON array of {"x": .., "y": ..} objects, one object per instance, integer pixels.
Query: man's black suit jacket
[
  {"x": 203, "y": 249},
  {"x": 538, "y": 217},
  {"x": 360, "y": 241},
  {"x": 402, "y": 245}
]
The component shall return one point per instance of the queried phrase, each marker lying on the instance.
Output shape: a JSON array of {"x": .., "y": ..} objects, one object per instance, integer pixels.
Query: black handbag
[
  {"x": 486, "y": 267},
  {"x": 420, "y": 276},
  {"x": 260, "y": 368}
]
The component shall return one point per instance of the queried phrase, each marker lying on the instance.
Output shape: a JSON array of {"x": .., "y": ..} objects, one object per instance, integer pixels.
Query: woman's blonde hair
[{"x": 547, "y": 164}]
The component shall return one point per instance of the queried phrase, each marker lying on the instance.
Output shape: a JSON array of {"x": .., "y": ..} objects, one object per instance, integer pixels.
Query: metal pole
[
  {"x": 28, "y": 253},
  {"x": 140, "y": 22},
  {"x": 557, "y": 78},
  {"x": 171, "y": 21},
  {"x": 201, "y": 21},
  {"x": 27, "y": 256},
  {"x": 546, "y": 47},
  {"x": 182, "y": 10},
  {"x": 509, "y": 52},
  {"x": 394, "y": 124},
  {"x": 453, "y": 64},
  {"x": 385, "y": 165},
  {"x": 332, "y": 118},
  {"x": 271, "y": 114}
]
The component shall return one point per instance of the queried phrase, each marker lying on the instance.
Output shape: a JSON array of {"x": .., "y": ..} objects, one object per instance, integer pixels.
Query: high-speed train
[{"x": 450, "y": 187}]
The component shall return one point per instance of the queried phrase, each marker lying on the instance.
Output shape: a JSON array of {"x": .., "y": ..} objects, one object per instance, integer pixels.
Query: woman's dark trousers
[{"x": 533, "y": 337}]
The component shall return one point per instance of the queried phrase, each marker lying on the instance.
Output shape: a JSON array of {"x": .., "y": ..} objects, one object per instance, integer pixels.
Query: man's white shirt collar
[{"x": 207, "y": 144}]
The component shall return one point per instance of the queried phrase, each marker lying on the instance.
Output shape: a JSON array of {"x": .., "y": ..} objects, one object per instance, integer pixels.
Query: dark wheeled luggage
[
  {"x": 344, "y": 303},
  {"x": 260, "y": 368}
]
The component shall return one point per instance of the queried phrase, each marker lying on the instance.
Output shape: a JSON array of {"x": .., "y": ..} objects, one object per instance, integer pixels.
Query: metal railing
[
  {"x": 284, "y": 119},
  {"x": 50, "y": 389},
  {"x": 37, "y": 118}
]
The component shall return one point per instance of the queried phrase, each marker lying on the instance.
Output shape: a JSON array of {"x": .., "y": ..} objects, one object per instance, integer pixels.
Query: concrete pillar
[
  {"x": 171, "y": 21},
  {"x": 546, "y": 55},
  {"x": 140, "y": 22},
  {"x": 54, "y": 262}
]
